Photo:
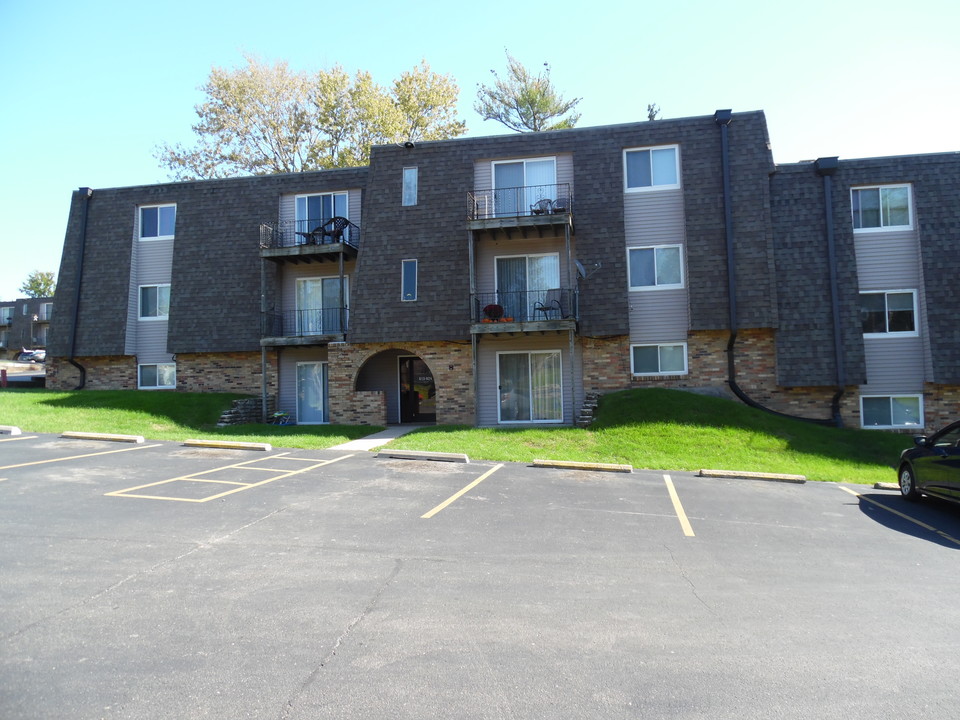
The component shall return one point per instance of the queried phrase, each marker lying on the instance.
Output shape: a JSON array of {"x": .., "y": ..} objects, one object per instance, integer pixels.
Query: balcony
[
  {"x": 309, "y": 240},
  {"x": 304, "y": 327},
  {"x": 524, "y": 311},
  {"x": 531, "y": 209}
]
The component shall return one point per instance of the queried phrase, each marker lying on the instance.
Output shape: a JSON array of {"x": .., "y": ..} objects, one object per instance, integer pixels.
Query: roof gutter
[
  {"x": 85, "y": 194},
  {"x": 723, "y": 118}
]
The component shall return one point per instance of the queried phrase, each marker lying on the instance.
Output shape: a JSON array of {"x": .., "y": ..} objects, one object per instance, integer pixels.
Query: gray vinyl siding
[
  {"x": 656, "y": 218},
  {"x": 658, "y": 316},
  {"x": 289, "y": 357},
  {"x": 894, "y": 366},
  {"x": 152, "y": 262},
  {"x": 890, "y": 260},
  {"x": 488, "y": 392}
]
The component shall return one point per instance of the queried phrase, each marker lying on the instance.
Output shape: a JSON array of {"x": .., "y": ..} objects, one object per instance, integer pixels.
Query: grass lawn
[
  {"x": 156, "y": 416},
  {"x": 674, "y": 430},
  {"x": 655, "y": 429}
]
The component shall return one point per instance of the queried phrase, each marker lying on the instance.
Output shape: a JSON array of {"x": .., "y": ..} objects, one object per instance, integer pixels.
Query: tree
[
  {"x": 523, "y": 101},
  {"x": 39, "y": 284},
  {"x": 652, "y": 111},
  {"x": 261, "y": 119}
]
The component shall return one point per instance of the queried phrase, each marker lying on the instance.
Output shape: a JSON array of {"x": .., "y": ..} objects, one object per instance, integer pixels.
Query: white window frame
[
  {"x": 659, "y": 373},
  {"x": 150, "y": 238},
  {"x": 333, "y": 193},
  {"x": 666, "y": 286},
  {"x": 895, "y": 333},
  {"x": 140, "y": 386},
  {"x": 410, "y": 183},
  {"x": 881, "y": 227},
  {"x": 891, "y": 397},
  {"x": 654, "y": 186},
  {"x": 405, "y": 294},
  {"x": 46, "y": 311},
  {"x": 530, "y": 354},
  {"x": 153, "y": 318}
]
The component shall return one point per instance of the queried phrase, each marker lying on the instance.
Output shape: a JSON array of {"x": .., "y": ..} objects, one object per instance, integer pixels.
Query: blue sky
[{"x": 90, "y": 89}]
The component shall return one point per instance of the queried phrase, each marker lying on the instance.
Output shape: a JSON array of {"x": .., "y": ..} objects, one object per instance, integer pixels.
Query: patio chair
[
  {"x": 551, "y": 307},
  {"x": 542, "y": 207}
]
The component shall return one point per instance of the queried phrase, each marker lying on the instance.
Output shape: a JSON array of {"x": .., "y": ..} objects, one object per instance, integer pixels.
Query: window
[
  {"x": 46, "y": 312},
  {"x": 410, "y": 186},
  {"x": 4, "y": 338},
  {"x": 157, "y": 221},
  {"x": 881, "y": 208},
  {"x": 157, "y": 377},
  {"x": 658, "y": 359},
  {"x": 523, "y": 283},
  {"x": 6, "y": 315},
  {"x": 530, "y": 386},
  {"x": 651, "y": 168},
  {"x": 891, "y": 411},
  {"x": 519, "y": 184},
  {"x": 322, "y": 309},
  {"x": 154, "y": 301},
  {"x": 312, "y": 211},
  {"x": 889, "y": 313},
  {"x": 655, "y": 267},
  {"x": 408, "y": 279}
]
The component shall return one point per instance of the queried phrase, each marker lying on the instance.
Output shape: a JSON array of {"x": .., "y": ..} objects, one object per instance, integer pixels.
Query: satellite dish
[{"x": 581, "y": 271}]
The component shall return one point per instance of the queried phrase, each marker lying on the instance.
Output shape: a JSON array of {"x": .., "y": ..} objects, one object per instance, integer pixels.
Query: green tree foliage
[
  {"x": 261, "y": 119},
  {"x": 523, "y": 101},
  {"x": 39, "y": 284}
]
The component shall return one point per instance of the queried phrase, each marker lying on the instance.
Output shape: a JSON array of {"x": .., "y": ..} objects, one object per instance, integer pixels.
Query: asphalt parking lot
[{"x": 157, "y": 580}]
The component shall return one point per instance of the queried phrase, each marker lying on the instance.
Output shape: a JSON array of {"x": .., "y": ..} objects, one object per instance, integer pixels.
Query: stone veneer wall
[
  {"x": 236, "y": 372},
  {"x": 117, "y": 372},
  {"x": 606, "y": 367},
  {"x": 451, "y": 364}
]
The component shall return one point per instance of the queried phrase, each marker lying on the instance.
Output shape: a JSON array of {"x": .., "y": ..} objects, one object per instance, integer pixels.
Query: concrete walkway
[{"x": 377, "y": 439}]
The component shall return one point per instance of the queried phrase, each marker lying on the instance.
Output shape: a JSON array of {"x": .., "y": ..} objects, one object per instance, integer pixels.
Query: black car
[{"x": 933, "y": 466}]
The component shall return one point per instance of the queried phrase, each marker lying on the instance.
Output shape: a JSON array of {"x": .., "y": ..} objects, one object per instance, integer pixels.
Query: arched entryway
[{"x": 407, "y": 382}]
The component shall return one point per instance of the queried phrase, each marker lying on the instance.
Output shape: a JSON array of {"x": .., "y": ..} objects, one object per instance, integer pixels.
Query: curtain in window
[
  {"x": 514, "y": 387},
  {"x": 331, "y": 304},
  {"x": 309, "y": 306},
  {"x": 545, "y": 393},
  {"x": 312, "y": 395},
  {"x": 540, "y": 180},
  {"x": 512, "y": 286},
  {"x": 507, "y": 185}
]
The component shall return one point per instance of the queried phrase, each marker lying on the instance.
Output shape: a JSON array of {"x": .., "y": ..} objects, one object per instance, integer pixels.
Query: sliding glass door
[
  {"x": 313, "y": 400},
  {"x": 523, "y": 281},
  {"x": 530, "y": 386}
]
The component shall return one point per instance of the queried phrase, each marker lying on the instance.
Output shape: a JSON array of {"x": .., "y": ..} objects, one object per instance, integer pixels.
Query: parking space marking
[
  {"x": 19, "y": 437},
  {"x": 238, "y": 486},
  {"x": 924, "y": 525},
  {"x": 678, "y": 508},
  {"x": 468, "y": 488},
  {"x": 77, "y": 457}
]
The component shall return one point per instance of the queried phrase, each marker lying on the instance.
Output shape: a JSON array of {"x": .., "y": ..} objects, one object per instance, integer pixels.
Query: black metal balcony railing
[
  {"x": 304, "y": 323},
  {"x": 529, "y": 200},
  {"x": 525, "y": 306},
  {"x": 291, "y": 233}
]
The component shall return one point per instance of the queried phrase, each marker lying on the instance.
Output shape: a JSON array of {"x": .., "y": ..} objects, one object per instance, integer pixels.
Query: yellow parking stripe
[
  {"x": 19, "y": 437},
  {"x": 924, "y": 525},
  {"x": 238, "y": 486},
  {"x": 468, "y": 488},
  {"x": 678, "y": 508},
  {"x": 77, "y": 457}
]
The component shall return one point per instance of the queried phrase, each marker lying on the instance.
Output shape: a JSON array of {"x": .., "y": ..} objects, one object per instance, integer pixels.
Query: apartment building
[
  {"x": 24, "y": 324},
  {"x": 501, "y": 280}
]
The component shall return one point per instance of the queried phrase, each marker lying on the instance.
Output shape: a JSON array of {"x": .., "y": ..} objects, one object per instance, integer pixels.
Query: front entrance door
[{"x": 418, "y": 394}]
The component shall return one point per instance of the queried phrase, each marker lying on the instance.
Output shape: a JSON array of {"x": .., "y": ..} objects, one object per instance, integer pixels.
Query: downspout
[
  {"x": 826, "y": 167},
  {"x": 723, "y": 118},
  {"x": 85, "y": 194}
]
